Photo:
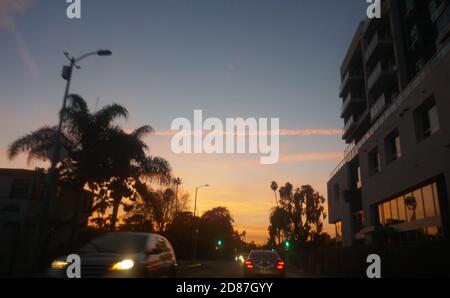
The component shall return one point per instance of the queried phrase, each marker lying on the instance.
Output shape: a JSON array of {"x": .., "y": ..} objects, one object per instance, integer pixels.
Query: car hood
[{"x": 103, "y": 258}]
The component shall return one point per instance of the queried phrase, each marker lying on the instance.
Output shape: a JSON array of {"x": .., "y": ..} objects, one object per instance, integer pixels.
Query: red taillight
[
  {"x": 249, "y": 264},
  {"x": 280, "y": 265}
]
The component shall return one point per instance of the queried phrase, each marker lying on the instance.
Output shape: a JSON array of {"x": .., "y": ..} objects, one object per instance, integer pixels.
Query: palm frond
[
  {"x": 37, "y": 143},
  {"x": 157, "y": 168},
  {"x": 143, "y": 131},
  {"x": 109, "y": 113},
  {"x": 76, "y": 103}
]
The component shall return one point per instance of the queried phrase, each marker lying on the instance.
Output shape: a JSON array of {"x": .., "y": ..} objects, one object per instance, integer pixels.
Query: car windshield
[
  {"x": 116, "y": 243},
  {"x": 264, "y": 255}
]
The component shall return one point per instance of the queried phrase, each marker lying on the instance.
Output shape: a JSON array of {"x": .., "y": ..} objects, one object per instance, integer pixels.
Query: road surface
[{"x": 225, "y": 269}]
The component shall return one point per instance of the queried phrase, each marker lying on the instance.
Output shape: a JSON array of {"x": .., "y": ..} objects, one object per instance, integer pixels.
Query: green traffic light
[
  {"x": 287, "y": 244},
  {"x": 219, "y": 242}
]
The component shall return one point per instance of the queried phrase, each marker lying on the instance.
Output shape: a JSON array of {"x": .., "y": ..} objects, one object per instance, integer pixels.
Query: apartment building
[
  {"x": 21, "y": 198},
  {"x": 394, "y": 180}
]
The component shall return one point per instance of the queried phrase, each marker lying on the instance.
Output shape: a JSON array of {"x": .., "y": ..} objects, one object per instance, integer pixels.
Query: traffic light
[
  {"x": 287, "y": 244},
  {"x": 219, "y": 243}
]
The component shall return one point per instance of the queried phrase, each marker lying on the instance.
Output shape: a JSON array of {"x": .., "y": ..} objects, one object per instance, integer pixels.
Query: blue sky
[{"x": 230, "y": 58}]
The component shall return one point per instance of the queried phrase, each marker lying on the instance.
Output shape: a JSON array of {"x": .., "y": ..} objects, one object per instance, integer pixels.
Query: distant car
[
  {"x": 264, "y": 263},
  {"x": 124, "y": 255}
]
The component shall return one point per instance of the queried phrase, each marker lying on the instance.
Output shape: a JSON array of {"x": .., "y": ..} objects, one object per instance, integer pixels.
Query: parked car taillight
[
  {"x": 249, "y": 264},
  {"x": 280, "y": 265}
]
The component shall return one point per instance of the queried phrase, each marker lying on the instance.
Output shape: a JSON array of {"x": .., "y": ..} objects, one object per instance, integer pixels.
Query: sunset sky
[{"x": 229, "y": 58}]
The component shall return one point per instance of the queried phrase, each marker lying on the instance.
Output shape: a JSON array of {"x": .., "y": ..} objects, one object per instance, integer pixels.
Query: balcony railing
[
  {"x": 352, "y": 150},
  {"x": 351, "y": 97},
  {"x": 349, "y": 123},
  {"x": 376, "y": 40},
  {"x": 378, "y": 71},
  {"x": 349, "y": 75},
  {"x": 378, "y": 107}
]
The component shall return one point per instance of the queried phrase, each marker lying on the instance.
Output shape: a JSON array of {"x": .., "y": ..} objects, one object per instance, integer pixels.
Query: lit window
[
  {"x": 436, "y": 199},
  {"x": 428, "y": 200},
  {"x": 359, "y": 180},
  {"x": 393, "y": 147},
  {"x": 419, "y": 204},
  {"x": 338, "y": 230},
  {"x": 401, "y": 209},
  {"x": 420, "y": 212},
  {"x": 426, "y": 119}
]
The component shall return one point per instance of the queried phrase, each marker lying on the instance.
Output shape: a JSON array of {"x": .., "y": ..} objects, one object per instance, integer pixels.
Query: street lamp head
[{"x": 104, "y": 53}]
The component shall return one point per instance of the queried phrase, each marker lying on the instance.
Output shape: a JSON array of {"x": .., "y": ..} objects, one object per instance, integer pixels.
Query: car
[
  {"x": 122, "y": 255},
  {"x": 264, "y": 263}
]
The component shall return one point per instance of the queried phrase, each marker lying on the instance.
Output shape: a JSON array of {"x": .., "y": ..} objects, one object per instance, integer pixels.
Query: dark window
[
  {"x": 359, "y": 221},
  {"x": 59, "y": 193},
  {"x": 426, "y": 119},
  {"x": 37, "y": 190},
  {"x": 20, "y": 188},
  {"x": 336, "y": 192},
  {"x": 374, "y": 161},
  {"x": 393, "y": 147}
]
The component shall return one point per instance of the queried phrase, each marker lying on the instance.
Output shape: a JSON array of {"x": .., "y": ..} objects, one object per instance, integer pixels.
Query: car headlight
[
  {"x": 58, "y": 264},
  {"x": 123, "y": 265}
]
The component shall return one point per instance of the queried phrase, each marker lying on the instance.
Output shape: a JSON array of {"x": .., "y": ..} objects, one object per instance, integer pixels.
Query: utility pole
[
  {"x": 195, "y": 226},
  {"x": 55, "y": 153}
]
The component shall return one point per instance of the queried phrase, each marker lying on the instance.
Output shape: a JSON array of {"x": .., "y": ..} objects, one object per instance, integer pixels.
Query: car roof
[
  {"x": 263, "y": 251},
  {"x": 152, "y": 238},
  {"x": 131, "y": 233}
]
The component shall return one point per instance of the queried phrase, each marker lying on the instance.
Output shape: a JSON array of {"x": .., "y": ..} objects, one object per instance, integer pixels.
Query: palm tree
[
  {"x": 177, "y": 182},
  {"x": 99, "y": 152},
  {"x": 274, "y": 187}
]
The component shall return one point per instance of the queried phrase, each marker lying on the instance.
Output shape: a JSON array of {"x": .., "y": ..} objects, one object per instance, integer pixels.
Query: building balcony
[
  {"x": 378, "y": 107},
  {"x": 382, "y": 77},
  {"x": 349, "y": 126},
  {"x": 349, "y": 123},
  {"x": 352, "y": 101},
  {"x": 350, "y": 79},
  {"x": 380, "y": 44},
  {"x": 443, "y": 26},
  {"x": 398, "y": 100}
]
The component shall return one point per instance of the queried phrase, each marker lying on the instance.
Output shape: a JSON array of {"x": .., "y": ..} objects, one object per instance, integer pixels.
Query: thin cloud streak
[
  {"x": 311, "y": 156},
  {"x": 8, "y": 10},
  {"x": 282, "y": 133}
]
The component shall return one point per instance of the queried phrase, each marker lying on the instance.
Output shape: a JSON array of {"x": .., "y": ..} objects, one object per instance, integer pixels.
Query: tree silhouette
[
  {"x": 100, "y": 154},
  {"x": 153, "y": 210},
  {"x": 299, "y": 215},
  {"x": 216, "y": 224}
]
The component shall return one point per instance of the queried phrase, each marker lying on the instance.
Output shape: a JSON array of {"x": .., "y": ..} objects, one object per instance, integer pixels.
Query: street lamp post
[
  {"x": 195, "y": 225},
  {"x": 54, "y": 154}
]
